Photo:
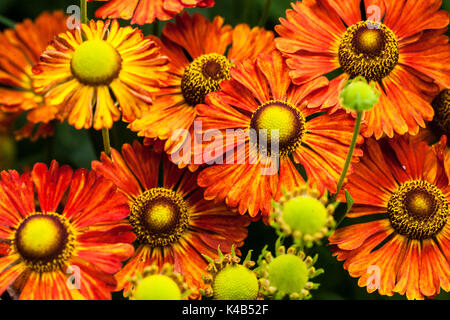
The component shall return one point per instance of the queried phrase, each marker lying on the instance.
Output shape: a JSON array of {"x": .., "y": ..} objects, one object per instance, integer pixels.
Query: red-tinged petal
[
  {"x": 117, "y": 9},
  {"x": 430, "y": 55},
  {"x": 108, "y": 232},
  {"x": 409, "y": 271},
  {"x": 143, "y": 163},
  {"x": 253, "y": 79},
  {"x": 105, "y": 256},
  {"x": 8, "y": 276},
  {"x": 349, "y": 11},
  {"x": 137, "y": 263},
  {"x": 16, "y": 197},
  {"x": 51, "y": 184},
  {"x": 95, "y": 283},
  {"x": 309, "y": 66},
  {"x": 83, "y": 209},
  {"x": 386, "y": 260},
  {"x": 31, "y": 290},
  {"x": 116, "y": 170},
  {"x": 352, "y": 237},
  {"x": 307, "y": 16},
  {"x": 275, "y": 71},
  {"x": 408, "y": 17}
]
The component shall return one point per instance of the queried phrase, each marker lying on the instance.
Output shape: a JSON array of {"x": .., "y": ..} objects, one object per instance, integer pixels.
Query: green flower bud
[
  {"x": 358, "y": 95},
  {"x": 235, "y": 282},
  {"x": 230, "y": 280},
  {"x": 157, "y": 287},
  {"x": 158, "y": 284},
  {"x": 304, "y": 215}
]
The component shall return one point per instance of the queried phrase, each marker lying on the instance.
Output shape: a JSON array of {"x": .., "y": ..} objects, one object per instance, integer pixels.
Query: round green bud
[
  {"x": 157, "y": 287},
  {"x": 235, "y": 282},
  {"x": 305, "y": 214},
  {"x": 358, "y": 95},
  {"x": 288, "y": 273}
]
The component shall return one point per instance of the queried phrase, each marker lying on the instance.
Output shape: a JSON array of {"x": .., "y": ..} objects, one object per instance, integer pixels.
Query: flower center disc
[
  {"x": 159, "y": 217},
  {"x": 203, "y": 76},
  {"x": 441, "y": 120},
  {"x": 278, "y": 117},
  {"x": 44, "y": 241},
  {"x": 368, "y": 49},
  {"x": 418, "y": 210},
  {"x": 96, "y": 62}
]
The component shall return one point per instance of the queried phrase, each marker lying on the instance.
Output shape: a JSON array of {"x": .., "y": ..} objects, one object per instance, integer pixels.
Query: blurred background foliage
[{"x": 78, "y": 148}]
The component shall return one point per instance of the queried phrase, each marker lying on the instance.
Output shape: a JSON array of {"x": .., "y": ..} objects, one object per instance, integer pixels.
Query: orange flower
[
  {"x": 196, "y": 48},
  {"x": 55, "y": 223},
  {"x": 402, "y": 188},
  {"x": 81, "y": 69},
  {"x": 406, "y": 55},
  {"x": 146, "y": 11},
  {"x": 260, "y": 96},
  {"x": 19, "y": 51},
  {"x": 170, "y": 218}
]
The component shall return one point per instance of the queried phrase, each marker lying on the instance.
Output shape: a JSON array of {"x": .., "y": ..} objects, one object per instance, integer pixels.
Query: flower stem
[
  {"x": 265, "y": 14},
  {"x": 106, "y": 143},
  {"x": 7, "y": 22},
  {"x": 349, "y": 154},
  {"x": 83, "y": 6}
]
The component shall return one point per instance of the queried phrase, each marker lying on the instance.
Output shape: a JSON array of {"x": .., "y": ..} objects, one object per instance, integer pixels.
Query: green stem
[
  {"x": 106, "y": 143},
  {"x": 83, "y": 6},
  {"x": 156, "y": 28},
  {"x": 7, "y": 22},
  {"x": 349, "y": 154},
  {"x": 265, "y": 14}
]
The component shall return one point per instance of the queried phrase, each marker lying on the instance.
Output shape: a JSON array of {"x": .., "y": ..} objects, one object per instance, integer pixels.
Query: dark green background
[{"x": 79, "y": 148}]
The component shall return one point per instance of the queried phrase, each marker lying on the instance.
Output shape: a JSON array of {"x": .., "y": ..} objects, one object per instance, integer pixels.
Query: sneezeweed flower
[
  {"x": 260, "y": 97},
  {"x": 402, "y": 187},
  {"x": 157, "y": 283},
  {"x": 172, "y": 221},
  {"x": 287, "y": 275},
  {"x": 54, "y": 223},
  {"x": 201, "y": 54},
  {"x": 406, "y": 55},
  {"x": 147, "y": 11},
  {"x": 20, "y": 49},
  {"x": 81, "y": 69},
  {"x": 304, "y": 215},
  {"x": 230, "y": 280}
]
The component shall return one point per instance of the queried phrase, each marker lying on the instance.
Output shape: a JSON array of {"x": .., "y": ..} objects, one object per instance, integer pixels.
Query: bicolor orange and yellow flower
[{"x": 81, "y": 71}]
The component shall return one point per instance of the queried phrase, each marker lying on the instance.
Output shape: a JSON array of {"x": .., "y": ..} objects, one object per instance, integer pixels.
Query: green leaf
[{"x": 349, "y": 200}]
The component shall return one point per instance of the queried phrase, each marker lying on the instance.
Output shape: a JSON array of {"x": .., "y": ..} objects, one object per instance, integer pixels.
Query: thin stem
[
  {"x": 106, "y": 143},
  {"x": 265, "y": 14},
  {"x": 156, "y": 28},
  {"x": 7, "y": 22},
  {"x": 349, "y": 154},
  {"x": 83, "y": 6}
]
